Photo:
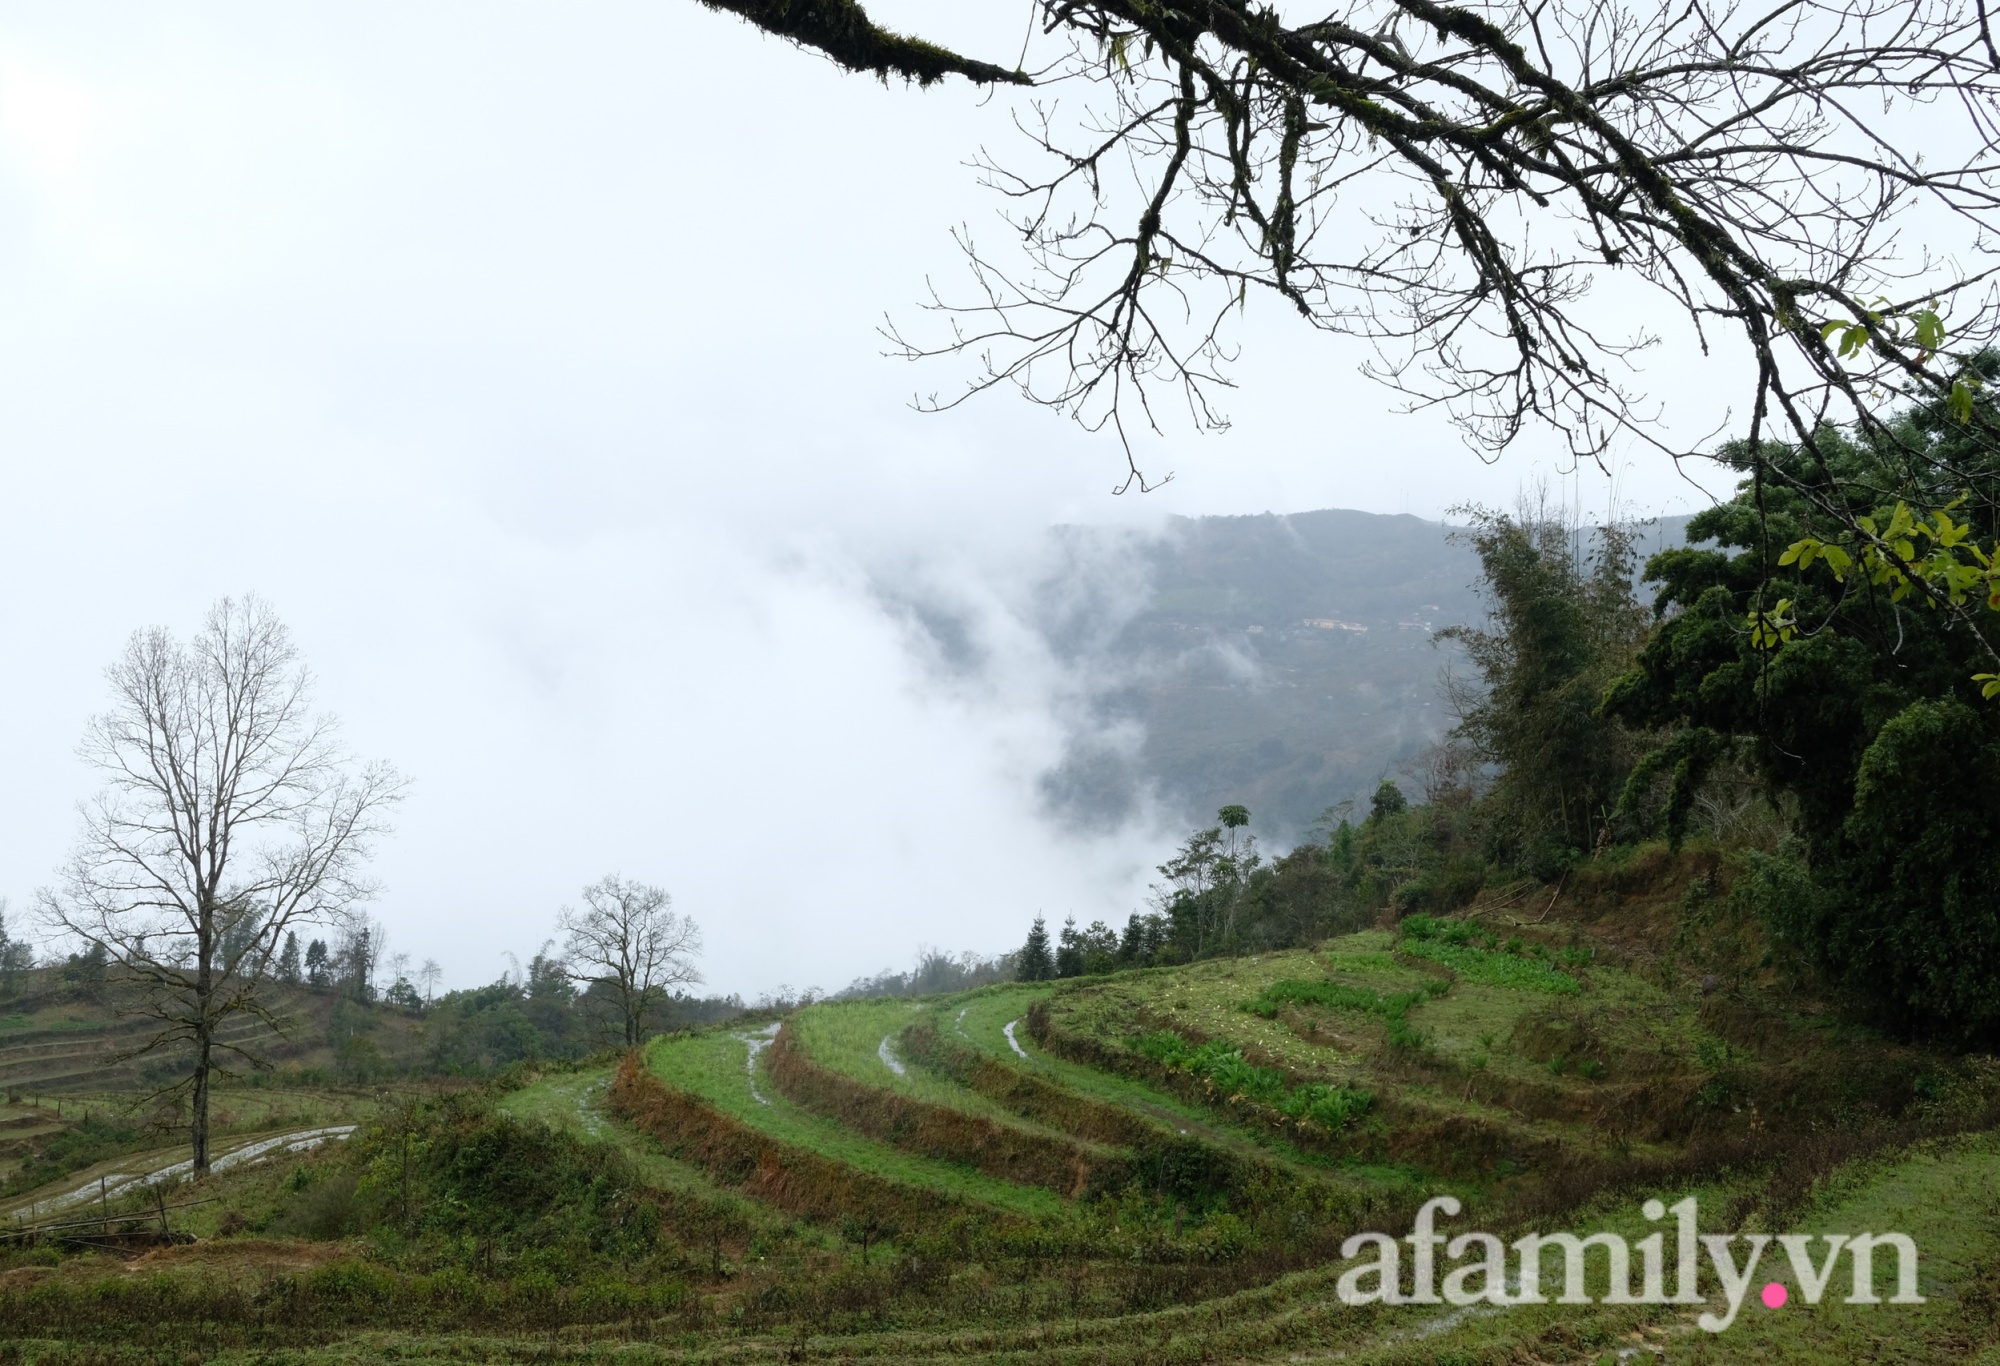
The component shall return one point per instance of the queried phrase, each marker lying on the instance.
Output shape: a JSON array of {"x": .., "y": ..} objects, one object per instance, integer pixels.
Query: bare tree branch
[
  {"x": 229, "y": 816},
  {"x": 629, "y": 940},
  {"x": 1456, "y": 183}
]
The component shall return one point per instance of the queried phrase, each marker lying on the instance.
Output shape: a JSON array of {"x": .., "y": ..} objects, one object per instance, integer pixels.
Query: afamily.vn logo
[{"x": 1484, "y": 1277}]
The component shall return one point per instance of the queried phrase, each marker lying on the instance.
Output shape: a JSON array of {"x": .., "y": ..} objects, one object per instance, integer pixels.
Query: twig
[{"x": 1550, "y": 907}]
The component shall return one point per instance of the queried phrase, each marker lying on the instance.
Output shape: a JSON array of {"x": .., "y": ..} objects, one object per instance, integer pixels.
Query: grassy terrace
[
  {"x": 1499, "y": 1016},
  {"x": 980, "y": 1018},
  {"x": 794, "y": 1292},
  {"x": 575, "y": 1101},
  {"x": 849, "y": 1037},
  {"x": 713, "y": 1066}
]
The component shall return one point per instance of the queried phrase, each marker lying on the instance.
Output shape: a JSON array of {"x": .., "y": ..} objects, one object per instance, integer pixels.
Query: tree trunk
[
  {"x": 204, "y": 993},
  {"x": 198, "y": 1120}
]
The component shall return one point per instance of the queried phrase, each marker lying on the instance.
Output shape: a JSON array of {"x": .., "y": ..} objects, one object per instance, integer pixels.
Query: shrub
[
  {"x": 1230, "y": 1073},
  {"x": 456, "y": 1173},
  {"x": 1478, "y": 956}
]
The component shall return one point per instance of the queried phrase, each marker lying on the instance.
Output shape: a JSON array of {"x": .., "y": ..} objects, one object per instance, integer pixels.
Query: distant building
[{"x": 1334, "y": 624}]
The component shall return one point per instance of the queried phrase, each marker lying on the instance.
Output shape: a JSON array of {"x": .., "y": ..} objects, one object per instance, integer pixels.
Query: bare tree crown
[
  {"x": 223, "y": 790},
  {"x": 229, "y": 816},
  {"x": 629, "y": 939}
]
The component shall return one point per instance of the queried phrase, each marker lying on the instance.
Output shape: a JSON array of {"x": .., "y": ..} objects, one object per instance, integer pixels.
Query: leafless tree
[
  {"x": 1505, "y": 201},
  {"x": 429, "y": 975},
  {"x": 629, "y": 939},
  {"x": 229, "y": 816},
  {"x": 1447, "y": 772}
]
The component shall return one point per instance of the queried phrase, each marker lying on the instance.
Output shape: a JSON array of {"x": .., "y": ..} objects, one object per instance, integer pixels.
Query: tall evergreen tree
[
  {"x": 288, "y": 959},
  {"x": 1069, "y": 950},
  {"x": 1038, "y": 964}
]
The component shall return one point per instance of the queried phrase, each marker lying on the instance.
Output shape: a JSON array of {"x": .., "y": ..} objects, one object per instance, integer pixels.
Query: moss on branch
[{"x": 843, "y": 31}]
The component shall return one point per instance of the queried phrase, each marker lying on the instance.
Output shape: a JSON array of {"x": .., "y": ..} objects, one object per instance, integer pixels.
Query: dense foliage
[
  {"x": 457, "y": 1177},
  {"x": 1564, "y": 624},
  {"x": 1866, "y": 723}
]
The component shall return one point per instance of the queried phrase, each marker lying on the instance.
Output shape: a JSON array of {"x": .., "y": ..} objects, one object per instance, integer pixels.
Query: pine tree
[
  {"x": 1069, "y": 950},
  {"x": 1037, "y": 963},
  {"x": 288, "y": 959},
  {"x": 316, "y": 962}
]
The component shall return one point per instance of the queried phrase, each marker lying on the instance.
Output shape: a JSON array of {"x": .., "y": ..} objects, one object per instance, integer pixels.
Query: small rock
[{"x": 1709, "y": 984}]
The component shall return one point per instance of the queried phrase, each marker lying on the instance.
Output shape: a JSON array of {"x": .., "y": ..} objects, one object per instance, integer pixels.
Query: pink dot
[{"x": 1774, "y": 1296}]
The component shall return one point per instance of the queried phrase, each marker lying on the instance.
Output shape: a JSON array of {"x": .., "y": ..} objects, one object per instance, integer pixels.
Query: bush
[
  {"x": 1478, "y": 956},
  {"x": 321, "y": 1209},
  {"x": 1226, "y": 1069},
  {"x": 456, "y": 1174}
]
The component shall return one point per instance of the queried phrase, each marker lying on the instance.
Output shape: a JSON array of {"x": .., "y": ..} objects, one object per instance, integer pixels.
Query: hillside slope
[
  {"x": 1284, "y": 662},
  {"x": 1158, "y": 1165}
]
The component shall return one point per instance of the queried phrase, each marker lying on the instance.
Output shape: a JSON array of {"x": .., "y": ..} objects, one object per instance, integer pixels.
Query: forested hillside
[{"x": 1287, "y": 663}]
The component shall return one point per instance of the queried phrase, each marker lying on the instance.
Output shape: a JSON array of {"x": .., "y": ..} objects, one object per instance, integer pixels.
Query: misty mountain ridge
[{"x": 1288, "y": 662}]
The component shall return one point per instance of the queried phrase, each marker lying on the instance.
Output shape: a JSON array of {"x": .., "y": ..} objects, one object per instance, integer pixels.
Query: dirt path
[
  {"x": 127, "y": 1174},
  {"x": 758, "y": 1041}
]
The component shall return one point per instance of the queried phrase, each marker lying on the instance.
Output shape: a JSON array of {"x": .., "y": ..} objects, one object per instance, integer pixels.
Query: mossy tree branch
[{"x": 843, "y": 31}]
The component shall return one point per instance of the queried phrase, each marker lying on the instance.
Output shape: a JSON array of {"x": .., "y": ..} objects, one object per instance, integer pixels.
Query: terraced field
[{"x": 1164, "y": 1165}]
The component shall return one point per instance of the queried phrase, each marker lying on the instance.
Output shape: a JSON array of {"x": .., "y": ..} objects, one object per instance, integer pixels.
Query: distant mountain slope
[{"x": 1287, "y": 662}]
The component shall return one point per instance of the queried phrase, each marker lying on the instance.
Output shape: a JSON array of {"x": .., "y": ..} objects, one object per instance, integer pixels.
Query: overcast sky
[{"x": 524, "y": 357}]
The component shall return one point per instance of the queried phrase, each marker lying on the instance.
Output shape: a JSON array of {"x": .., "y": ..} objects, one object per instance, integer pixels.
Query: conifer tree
[
  {"x": 1038, "y": 964},
  {"x": 288, "y": 959},
  {"x": 1069, "y": 950}
]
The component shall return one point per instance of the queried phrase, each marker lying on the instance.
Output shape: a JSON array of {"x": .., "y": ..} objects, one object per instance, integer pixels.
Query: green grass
[
  {"x": 49, "y": 1021},
  {"x": 1496, "y": 969},
  {"x": 980, "y": 1018},
  {"x": 1206, "y": 1000},
  {"x": 575, "y": 1101},
  {"x": 1944, "y": 1195},
  {"x": 712, "y": 1066},
  {"x": 847, "y": 1036},
  {"x": 1330, "y": 1106},
  {"x": 1476, "y": 954}
]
